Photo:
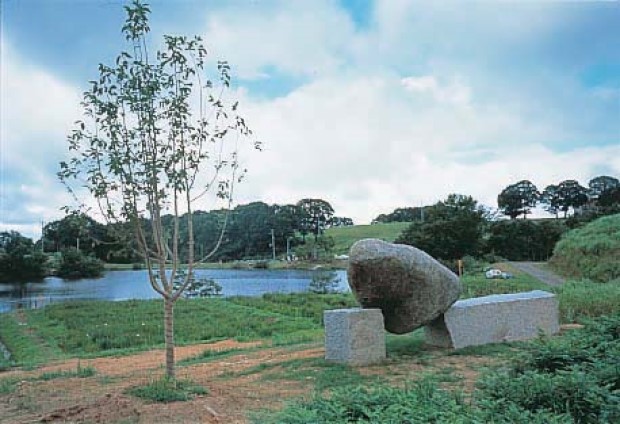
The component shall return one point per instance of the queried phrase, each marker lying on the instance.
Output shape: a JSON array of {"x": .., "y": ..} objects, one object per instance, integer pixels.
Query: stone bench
[
  {"x": 354, "y": 336},
  {"x": 494, "y": 319}
]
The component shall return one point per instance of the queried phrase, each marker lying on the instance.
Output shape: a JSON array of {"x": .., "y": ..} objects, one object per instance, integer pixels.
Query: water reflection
[{"x": 122, "y": 285}]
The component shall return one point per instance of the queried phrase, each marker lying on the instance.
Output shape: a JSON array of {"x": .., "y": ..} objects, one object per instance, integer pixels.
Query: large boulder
[{"x": 408, "y": 285}]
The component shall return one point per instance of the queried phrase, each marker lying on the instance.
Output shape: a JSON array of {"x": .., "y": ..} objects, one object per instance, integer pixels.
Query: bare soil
[{"x": 231, "y": 392}]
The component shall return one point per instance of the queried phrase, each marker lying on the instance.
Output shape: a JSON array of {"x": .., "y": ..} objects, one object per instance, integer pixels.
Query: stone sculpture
[{"x": 408, "y": 285}]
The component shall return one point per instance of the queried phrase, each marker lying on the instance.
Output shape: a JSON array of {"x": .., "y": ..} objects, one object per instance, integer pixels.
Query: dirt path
[
  {"x": 537, "y": 270},
  {"x": 247, "y": 380}
]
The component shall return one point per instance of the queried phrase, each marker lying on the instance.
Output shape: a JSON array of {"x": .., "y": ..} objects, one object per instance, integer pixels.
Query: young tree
[{"x": 158, "y": 136}]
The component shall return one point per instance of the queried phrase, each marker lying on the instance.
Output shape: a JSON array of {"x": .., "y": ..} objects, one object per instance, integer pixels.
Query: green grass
[
  {"x": 8, "y": 385},
  {"x": 100, "y": 328},
  {"x": 166, "y": 390},
  {"x": 587, "y": 299},
  {"x": 80, "y": 372},
  {"x": 300, "y": 305},
  {"x": 344, "y": 237},
  {"x": 590, "y": 252},
  {"x": 22, "y": 340},
  {"x": 317, "y": 372},
  {"x": 476, "y": 284}
]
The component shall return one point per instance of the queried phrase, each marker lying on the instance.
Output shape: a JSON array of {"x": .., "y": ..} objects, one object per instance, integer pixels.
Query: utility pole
[
  {"x": 273, "y": 244},
  {"x": 288, "y": 248},
  {"x": 42, "y": 234}
]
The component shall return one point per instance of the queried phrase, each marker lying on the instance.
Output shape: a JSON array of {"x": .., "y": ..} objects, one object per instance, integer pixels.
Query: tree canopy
[
  {"x": 19, "y": 260},
  {"x": 452, "y": 228}
]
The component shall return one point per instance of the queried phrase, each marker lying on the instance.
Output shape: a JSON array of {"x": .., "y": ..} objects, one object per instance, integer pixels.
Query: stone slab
[
  {"x": 354, "y": 336},
  {"x": 495, "y": 319}
]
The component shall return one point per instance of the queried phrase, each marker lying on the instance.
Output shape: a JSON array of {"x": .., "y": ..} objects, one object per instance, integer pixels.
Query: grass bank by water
[{"x": 89, "y": 329}]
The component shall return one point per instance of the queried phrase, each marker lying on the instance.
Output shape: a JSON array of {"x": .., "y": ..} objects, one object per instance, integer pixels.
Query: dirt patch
[
  {"x": 236, "y": 385},
  {"x": 109, "y": 408},
  {"x": 102, "y": 397}
]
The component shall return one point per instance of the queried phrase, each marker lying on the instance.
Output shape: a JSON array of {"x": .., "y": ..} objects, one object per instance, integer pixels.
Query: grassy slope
[
  {"x": 346, "y": 236},
  {"x": 591, "y": 252}
]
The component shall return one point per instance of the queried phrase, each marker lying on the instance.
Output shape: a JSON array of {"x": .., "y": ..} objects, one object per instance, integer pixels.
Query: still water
[{"x": 122, "y": 285}]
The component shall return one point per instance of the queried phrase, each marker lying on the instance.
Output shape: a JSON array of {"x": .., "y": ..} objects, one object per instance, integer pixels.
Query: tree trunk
[{"x": 169, "y": 336}]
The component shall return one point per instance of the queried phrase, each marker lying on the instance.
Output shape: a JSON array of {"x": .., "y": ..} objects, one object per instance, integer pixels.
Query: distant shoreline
[{"x": 334, "y": 264}]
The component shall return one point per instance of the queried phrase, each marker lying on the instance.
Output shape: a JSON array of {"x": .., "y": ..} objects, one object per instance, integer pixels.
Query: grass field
[
  {"x": 344, "y": 237},
  {"x": 111, "y": 338}
]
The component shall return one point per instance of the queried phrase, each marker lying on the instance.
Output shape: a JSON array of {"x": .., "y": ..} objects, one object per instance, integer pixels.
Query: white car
[{"x": 497, "y": 273}]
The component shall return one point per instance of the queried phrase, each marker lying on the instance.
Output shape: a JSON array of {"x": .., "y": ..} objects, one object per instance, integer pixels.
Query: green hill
[
  {"x": 346, "y": 236},
  {"x": 591, "y": 252}
]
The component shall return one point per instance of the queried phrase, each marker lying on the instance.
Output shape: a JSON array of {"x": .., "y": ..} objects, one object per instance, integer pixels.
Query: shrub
[
  {"x": 422, "y": 402},
  {"x": 523, "y": 240},
  {"x": 75, "y": 264},
  {"x": 167, "y": 390},
  {"x": 577, "y": 374},
  {"x": 324, "y": 282}
]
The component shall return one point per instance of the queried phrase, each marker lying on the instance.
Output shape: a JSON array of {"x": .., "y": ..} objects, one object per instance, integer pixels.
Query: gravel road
[{"x": 536, "y": 270}]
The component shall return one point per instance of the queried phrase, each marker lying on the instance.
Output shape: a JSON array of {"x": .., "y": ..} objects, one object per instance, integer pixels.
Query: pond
[{"x": 122, "y": 285}]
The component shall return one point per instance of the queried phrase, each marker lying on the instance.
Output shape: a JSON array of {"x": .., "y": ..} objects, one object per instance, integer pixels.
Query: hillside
[
  {"x": 591, "y": 252},
  {"x": 346, "y": 236}
]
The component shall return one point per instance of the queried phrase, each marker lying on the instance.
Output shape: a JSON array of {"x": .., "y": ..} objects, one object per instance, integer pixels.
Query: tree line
[
  {"x": 602, "y": 194},
  {"x": 255, "y": 230},
  {"x": 459, "y": 226}
]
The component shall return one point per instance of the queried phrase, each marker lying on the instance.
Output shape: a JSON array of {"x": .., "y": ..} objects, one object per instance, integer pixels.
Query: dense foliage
[
  {"x": 451, "y": 229},
  {"x": 407, "y": 214},
  {"x": 576, "y": 374},
  {"x": 592, "y": 251},
  {"x": 250, "y": 230},
  {"x": 75, "y": 264},
  {"x": 19, "y": 260},
  {"x": 571, "y": 379},
  {"x": 521, "y": 240},
  {"x": 518, "y": 199}
]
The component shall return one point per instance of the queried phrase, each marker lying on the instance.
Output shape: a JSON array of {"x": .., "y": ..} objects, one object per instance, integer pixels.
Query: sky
[{"x": 370, "y": 105}]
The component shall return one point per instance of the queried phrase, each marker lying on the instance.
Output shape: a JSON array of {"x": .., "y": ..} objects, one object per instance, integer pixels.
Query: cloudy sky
[{"x": 371, "y": 105}]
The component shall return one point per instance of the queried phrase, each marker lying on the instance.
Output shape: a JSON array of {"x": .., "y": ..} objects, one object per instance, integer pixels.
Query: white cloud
[
  {"x": 456, "y": 92},
  {"x": 299, "y": 38},
  {"x": 431, "y": 98},
  {"x": 37, "y": 110},
  {"x": 368, "y": 146}
]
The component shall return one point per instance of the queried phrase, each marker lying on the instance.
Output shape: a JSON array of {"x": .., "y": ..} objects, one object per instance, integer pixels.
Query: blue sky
[{"x": 371, "y": 105}]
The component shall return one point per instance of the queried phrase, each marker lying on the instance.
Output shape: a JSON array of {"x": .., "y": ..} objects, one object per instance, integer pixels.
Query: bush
[
  {"x": 590, "y": 252},
  {"x": 576, "y": 374},
  {"x": 452, "y": 229},
  {"x": 75, "y": 264},
  {"x": 422, "y": 402},
  {"x": 324, "y": 282},
  {"x": 167, "y": 390},
  {"x": 19, "y": 261},
  {"x": 525, "y": 240}
]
